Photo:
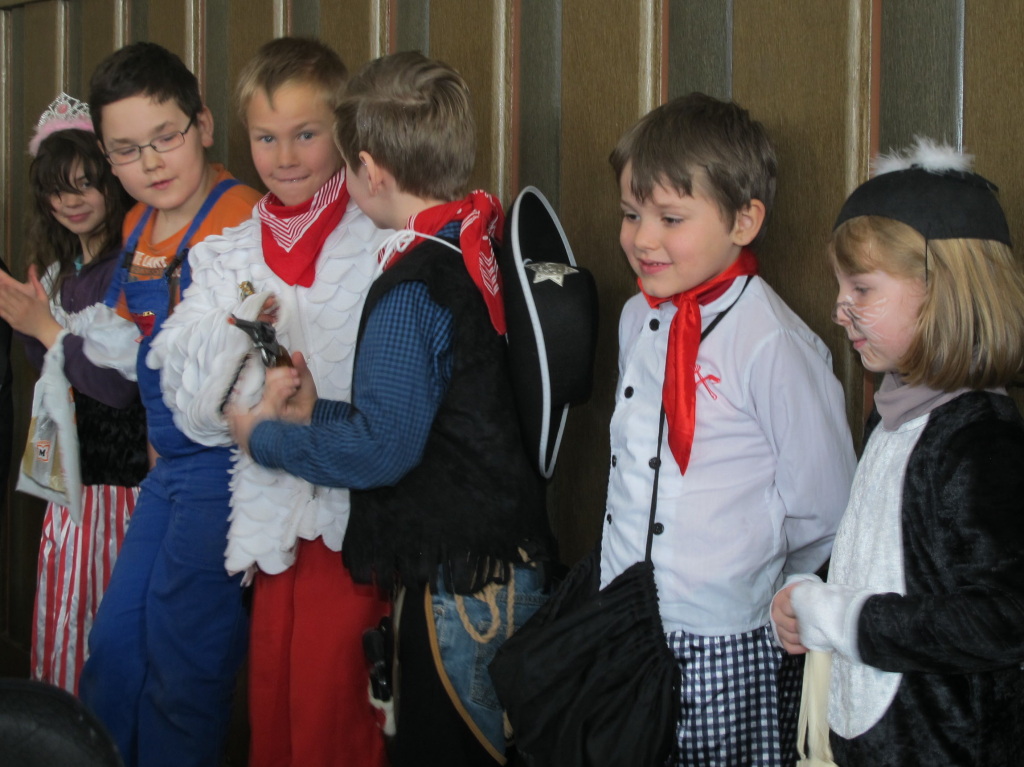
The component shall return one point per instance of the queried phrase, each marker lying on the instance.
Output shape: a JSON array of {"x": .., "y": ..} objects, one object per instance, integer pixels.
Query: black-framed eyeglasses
[{"x": 124, "y": 155}]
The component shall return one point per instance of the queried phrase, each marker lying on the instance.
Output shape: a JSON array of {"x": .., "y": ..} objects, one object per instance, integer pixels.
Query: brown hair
[
  {"x": 412, "y": 115},
  {"x": 142, "y": 69},
  {"x": 291, "y": 60},
  {"x": 699, "y": 139},
  {"x": 970, "y": 330},
  {"x": 50, "y": 174}
]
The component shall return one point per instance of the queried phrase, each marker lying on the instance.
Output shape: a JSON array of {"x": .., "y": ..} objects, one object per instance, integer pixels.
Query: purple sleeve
[
  {"x": 34, "y": 350},
  {"x": 105, "y": 385}
]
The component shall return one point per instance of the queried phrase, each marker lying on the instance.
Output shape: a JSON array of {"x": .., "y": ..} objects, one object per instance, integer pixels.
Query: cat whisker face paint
[{"x": 879, "y": 313}]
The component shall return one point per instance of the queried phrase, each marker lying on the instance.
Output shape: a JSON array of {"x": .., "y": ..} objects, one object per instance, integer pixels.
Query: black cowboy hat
[{"x": 551, "y": 316}]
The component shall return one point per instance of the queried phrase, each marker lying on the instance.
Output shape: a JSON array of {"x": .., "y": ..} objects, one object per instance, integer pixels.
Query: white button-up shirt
[{"x": 769, "y": 472}]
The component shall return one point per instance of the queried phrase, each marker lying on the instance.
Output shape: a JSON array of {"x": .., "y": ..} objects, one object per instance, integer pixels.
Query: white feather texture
[{"x": 926, "y": 154}]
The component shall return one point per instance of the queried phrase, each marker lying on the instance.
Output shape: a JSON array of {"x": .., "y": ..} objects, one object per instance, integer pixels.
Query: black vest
[{"x": 474, "y": 501}]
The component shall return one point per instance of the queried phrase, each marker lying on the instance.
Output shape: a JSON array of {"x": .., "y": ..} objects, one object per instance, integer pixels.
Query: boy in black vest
[{"x": 445, "y": 505}]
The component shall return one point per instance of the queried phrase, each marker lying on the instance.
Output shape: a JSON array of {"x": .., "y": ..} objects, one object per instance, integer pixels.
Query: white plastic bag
[{"x": 50, "y": 467}]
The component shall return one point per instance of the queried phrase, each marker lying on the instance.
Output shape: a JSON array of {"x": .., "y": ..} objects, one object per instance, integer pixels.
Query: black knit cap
[{"x": 941, "y": 205}]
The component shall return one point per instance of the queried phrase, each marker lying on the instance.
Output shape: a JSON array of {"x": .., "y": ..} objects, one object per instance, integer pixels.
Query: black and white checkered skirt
[{"x": 740, "y": 700}]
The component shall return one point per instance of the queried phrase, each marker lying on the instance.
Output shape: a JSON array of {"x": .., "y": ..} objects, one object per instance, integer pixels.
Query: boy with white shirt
[
  {"x": 309, "y": 257},
  {"x": 755, "y": 466}
]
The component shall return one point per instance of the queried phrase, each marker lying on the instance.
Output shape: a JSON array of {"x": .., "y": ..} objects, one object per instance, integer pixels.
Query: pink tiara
[{"x": 64, "y": 113}]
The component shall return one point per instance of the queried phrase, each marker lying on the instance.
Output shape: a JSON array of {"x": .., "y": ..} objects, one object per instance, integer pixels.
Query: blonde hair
[
  {"x": 292, "y": 60},
  {"x": 970, "y": 329},
  {"x": 412, "y": 115}
]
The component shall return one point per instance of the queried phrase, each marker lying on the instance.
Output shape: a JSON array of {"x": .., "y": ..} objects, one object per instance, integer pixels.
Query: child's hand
[
  {"x": 241, "y": 423},
  {"x": 290, "y": 393},
  {"x": 786, "y": 624},
  {"x": 269, "y": 311},
  {"x": 26, "y": 308}
]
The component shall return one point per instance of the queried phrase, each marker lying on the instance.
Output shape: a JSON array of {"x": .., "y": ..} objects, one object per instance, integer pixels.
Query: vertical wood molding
[
  {"x": 6, "y": 68},
  {"x": 60, "y": 48},
  {"x": 380, "y": 27},
  {"x": 121, "y": 23},
  {"x": 859, "y": 92},
  {"x": 649, "y": 62},
  {"x": 282, "y": 21},
  {"x": 195, "y": 40},
  {"x": 502, "y": 98}
]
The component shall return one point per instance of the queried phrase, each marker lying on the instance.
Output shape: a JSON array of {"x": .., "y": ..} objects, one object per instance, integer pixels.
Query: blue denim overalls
[{"x": 171, "y": 631}]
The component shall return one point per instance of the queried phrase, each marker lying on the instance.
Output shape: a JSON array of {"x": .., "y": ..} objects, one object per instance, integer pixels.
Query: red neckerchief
[
  {"x": 679, "y": 394},
  {"x": 293, "y": 235},
  {"x": 482, "y": 221}
]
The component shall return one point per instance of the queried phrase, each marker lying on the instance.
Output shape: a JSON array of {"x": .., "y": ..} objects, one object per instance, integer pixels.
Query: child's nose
[
  {"x": 150, "y": 158},
  {"x": 285, "y": 154},
  {"x": 841, "y": 313},
  {"x": 646, "y": 236}
]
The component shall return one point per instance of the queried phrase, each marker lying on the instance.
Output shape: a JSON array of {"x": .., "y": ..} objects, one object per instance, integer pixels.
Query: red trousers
[{"x": 308, "y": 682}]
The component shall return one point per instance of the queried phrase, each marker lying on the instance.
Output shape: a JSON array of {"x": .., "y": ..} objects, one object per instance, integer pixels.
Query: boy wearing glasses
[{"x": 171, "y": 634}]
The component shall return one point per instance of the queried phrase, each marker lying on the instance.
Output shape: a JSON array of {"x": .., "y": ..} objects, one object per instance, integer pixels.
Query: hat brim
[{"x": 551, "y": 315}]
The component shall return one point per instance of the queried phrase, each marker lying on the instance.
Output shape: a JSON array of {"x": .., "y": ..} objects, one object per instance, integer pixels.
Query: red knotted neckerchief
[
  {"x": 293, "y": 235},
  {"x": 482, "y": 221},
  {"x": 679, "y": 394}
]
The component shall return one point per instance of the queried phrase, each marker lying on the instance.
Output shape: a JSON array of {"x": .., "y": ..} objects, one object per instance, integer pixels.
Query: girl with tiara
[
  {"x": 74, "y": 239},
  {"x": 924, "y": 606}
]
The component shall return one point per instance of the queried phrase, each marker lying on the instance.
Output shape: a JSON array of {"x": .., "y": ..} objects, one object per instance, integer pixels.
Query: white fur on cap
[{"x": 926, "y": 154}]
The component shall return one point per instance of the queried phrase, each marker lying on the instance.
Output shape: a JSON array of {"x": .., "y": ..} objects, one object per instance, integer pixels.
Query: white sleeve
[
  {"x": 828, "y": 615},
  {"x": 801, "y": 409},
  {"x": 199, "y": 354},
  {"x": 109, "y": 340}
]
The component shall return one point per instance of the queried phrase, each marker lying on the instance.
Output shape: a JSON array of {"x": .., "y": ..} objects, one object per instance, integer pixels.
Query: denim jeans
[{"x": 466, "y": 652}]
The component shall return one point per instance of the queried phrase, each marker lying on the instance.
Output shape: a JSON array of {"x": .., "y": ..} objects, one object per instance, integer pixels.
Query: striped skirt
[{"x": 73, "y": 571}]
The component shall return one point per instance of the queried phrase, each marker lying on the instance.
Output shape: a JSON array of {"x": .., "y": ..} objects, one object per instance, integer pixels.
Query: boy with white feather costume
[{"x": 309, "y": 256}]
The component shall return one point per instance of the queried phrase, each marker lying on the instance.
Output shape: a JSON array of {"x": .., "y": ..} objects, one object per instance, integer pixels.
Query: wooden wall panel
[
  {"x": 699, "y": 48},
  {"x": 474, "y": 38},
  {"x": 994, "y": 102},
  {"x": 410, "y": 25},
  {"x": 611, "y": 67},
  {"x": 248, "y": 24},
  {"x": 803, "y": 69},
  {"x": 101, "y": 28},
  {"x": 536, "y": 145},
  {"x": 37, "y": 60},
  {"x": 167, "y": 22},
  {"x": 922, "y": 88},
  {"x": 357, "y": 29}
]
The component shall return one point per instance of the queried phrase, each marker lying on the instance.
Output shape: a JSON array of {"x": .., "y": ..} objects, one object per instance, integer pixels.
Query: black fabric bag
[{"x": 590, "y": 681}]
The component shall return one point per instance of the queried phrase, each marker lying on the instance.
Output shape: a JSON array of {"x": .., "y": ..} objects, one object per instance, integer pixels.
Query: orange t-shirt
[{"x": 151, "y": 258}]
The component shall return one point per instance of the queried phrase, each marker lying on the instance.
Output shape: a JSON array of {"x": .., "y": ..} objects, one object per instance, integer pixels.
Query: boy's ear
[
  {"x": 204, "y": 122},
  {"x": 374, "y": 172},
  {"x": 748, "y": 223}
]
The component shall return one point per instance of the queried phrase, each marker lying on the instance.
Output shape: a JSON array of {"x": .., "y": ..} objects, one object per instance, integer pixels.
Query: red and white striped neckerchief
[
  {"x": 482, "y": 220},
  {"x": 293, "y": 235}
]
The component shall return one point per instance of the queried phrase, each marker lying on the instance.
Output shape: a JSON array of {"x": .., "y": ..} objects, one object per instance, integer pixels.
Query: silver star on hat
[{"x": 546, "y": 270}]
